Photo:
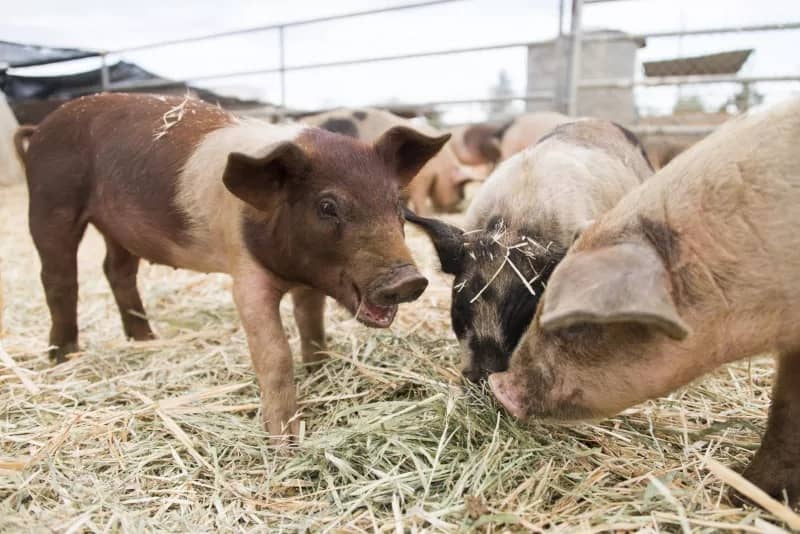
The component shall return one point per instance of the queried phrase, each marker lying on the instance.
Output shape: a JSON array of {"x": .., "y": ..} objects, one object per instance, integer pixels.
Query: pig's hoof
[
  {"x": 146, "y": 335},
  {"x": 283, "y": 434},
  {"x": 59, "y": 354},
  {"x": 776, "y": 481},
  {"x": 314, "y": 360}
]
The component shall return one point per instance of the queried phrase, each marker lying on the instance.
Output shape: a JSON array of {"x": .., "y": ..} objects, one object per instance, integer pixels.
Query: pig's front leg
[
  {"x": 258, "y": 296},
  {"x": 776, "y": 466},
  {"x": 309, "y": 308}
]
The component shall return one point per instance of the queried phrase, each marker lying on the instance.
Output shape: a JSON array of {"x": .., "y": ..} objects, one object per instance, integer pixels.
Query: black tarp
[
  {"x": 32, "y": 97},
  {"x": 28, "y": 55},
  {"x": 64, "y": 86}
]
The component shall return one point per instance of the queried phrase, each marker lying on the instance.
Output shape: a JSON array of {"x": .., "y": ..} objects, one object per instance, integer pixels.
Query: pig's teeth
[{"x": 377, "y": 313}]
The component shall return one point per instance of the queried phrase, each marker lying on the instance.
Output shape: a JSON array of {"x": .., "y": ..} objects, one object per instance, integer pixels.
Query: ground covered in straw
[{"x": 165, "y": 435}]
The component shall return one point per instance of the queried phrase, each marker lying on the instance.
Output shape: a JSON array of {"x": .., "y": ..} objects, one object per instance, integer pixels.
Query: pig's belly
[{"x": 160, "y": 234}]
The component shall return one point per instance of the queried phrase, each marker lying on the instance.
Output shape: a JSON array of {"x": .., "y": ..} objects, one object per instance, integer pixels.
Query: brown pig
[
  {"x": 526, "y": 130},
  {"x": 183, "y": 183},
  {"x": 695, "y": 268},
  {"x": 442, "y": 179},
  {"x": 663, "y": 150},
  {"x": 476, "y": 144}
]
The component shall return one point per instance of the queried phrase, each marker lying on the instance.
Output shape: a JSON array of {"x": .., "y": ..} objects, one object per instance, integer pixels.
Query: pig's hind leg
[
  {"x": 775, "y": 468},
  {"x": 309, "y": 308},
  {"x": 57, "y": 229},
  {"x": 121, "y": 268}
]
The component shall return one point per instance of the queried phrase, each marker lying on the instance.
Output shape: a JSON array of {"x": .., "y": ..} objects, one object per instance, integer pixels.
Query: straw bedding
[{"x": 165, "y": 435}]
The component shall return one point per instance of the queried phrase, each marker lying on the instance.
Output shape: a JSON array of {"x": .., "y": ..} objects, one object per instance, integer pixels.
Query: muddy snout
[{"x": 401, "y": 284}]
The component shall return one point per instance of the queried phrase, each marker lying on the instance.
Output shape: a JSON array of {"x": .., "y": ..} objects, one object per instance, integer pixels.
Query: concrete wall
[{"x": 548, "y": 63}]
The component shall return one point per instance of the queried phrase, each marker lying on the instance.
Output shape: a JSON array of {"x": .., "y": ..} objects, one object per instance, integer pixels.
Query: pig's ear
[
  {"x": 625, "y": 283},
  {"x": 490, "y": 149},
  {"x": 406, "y": 150},
  {"x": 255, "y": 178},
  {"x": 447, "y": 240}
]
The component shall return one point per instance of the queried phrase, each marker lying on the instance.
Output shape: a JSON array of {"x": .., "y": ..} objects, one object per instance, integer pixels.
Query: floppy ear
[
  {"x": 406, "y": 150},
  {"x": 447, "y": 240},
  {"x": 490, "y": 149},
  {"x": 625, "y": 283},
  {"x": 460, "y": 178},
  {"x": 256, "y": 178}
]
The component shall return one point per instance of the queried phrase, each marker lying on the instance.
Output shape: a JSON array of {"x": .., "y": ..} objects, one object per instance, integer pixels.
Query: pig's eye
[{"x": 327, "y": 209}]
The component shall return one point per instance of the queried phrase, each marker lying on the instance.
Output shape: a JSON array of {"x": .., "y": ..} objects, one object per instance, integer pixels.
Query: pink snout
[
  {"x": 405, "y": 284},
  {"x": 505, "y": 392}
]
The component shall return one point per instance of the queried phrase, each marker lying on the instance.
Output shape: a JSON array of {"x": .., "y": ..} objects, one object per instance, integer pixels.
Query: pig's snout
[
  {"x": 486, "y": 356},
  {"x": 479, "y": 373},
  {"x": 404, "y": 284},
  {"x": 505, "y": 392},
  {"x": 474, "y": 375}
]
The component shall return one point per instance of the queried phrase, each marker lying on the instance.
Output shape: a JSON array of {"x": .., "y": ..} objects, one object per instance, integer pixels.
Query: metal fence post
[
  {"x": 282, "y": 67},
  {"x": 104, "y": 74},
  {"x": 575, "y": 58}
]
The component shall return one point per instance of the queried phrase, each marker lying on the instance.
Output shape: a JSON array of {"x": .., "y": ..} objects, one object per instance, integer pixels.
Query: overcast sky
[{"x": 107, "y": 24}]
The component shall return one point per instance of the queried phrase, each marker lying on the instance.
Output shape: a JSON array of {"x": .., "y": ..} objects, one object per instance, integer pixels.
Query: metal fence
[
  {"x": 575, "y": 84},
  {"x": 692, "y": 76}
]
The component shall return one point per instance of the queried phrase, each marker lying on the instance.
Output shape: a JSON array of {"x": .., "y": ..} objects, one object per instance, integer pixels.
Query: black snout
[
  {"x": 476, "y": 375},
  {"x": 487, "y": 357},
  {"x": 404, "y": 284}
]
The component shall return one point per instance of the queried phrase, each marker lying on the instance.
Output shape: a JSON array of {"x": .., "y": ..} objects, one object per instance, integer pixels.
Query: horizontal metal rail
[
  {"x": 530, "y": 97},
  {"x": 277, "y": 26},
  {"x": 673, "y": 129},
  {"x": 272, "y": 110},
  {"x": 689, "y": 33},
  {"x": 625, "y": 83},
  {"x": 329, "y": 64}
]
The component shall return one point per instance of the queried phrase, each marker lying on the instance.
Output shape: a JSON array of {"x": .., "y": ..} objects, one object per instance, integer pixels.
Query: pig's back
[
  {"x": 560, "y": 184},
  {"x": 366, "y": 124},
  {"x": 526, "y": 130},
  {"x": 733, "y": 202}
]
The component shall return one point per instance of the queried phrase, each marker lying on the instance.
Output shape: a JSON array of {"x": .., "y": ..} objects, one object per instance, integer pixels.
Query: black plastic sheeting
[
  {"x": 28, "y": 55},
  {"x": 18, "y": 87},
  {"x": 32, "y": 97}
]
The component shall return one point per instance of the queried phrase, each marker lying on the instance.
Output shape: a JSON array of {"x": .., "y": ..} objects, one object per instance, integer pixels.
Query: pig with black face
[
  {"x": 520, "y": 225},
  {"x": 279, "y": 208},
  {"x": 696, "y": 268}
]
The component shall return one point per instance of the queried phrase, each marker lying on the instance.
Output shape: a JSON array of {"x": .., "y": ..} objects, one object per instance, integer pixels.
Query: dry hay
[{"x": 165, "y": 435}]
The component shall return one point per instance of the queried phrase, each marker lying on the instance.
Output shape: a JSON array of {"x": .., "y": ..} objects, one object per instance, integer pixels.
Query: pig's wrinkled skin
[
  {"x": 526, "y": 130},
  {"x": 520, "y": 225},
  {"x": 441, "y": 180},
  {"x": 696, "y": 268},
  {"x": 278, "y": 208}
]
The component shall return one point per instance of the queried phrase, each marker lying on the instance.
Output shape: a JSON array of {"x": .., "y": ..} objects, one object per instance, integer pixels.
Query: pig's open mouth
[{"x": 374, "y": 315}]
